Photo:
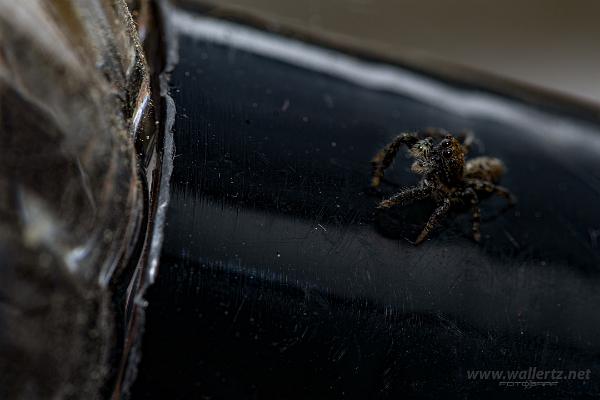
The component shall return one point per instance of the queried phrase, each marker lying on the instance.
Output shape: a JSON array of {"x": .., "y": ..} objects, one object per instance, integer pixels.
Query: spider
[{"x": 446, "y": 177}]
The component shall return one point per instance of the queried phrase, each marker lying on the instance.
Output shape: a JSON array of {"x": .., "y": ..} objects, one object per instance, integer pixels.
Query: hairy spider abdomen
[{"x": 484, "y": 168}]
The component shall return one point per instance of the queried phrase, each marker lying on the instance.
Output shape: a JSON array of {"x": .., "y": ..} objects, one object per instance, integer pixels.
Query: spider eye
[
  {"x": 445, "y": 143},
  {"x": 448, "y": 136},
  {"x": 447, "y": 153}
]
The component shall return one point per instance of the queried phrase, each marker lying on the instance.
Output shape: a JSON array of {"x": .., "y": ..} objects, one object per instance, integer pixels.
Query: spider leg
[
  {"x": 434, "y": 220},
  {"x": 406, "y": 196},
  {"x": 489, "y": 187},
  {"x": 468, "y": 140},
  {"x": 475, "y": 211},
  {"x": 384, "y": 158}
]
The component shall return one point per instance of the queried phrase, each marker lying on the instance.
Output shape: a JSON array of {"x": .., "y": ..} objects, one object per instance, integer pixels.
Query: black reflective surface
[{"x": 279, "y": 280}]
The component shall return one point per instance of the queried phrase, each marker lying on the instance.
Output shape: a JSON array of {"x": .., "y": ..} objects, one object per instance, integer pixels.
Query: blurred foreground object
[{"x": 74, "y": 206}]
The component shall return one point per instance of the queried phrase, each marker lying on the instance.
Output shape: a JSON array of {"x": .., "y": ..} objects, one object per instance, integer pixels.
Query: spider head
[{"x": 449, "y": 159}]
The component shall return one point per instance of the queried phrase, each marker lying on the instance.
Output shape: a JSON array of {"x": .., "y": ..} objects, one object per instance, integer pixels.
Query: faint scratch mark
[
  {"x": 237, "y": 313},
  {"x": 511, "y": 238},
  {"x": 594, "y": 235}
]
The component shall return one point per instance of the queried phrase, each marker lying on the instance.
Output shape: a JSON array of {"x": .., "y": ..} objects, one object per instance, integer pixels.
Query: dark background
[{"x": 279, "y": 280}]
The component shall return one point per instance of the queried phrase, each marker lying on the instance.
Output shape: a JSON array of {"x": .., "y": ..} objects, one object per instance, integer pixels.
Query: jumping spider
[{"x": 446, "y": 177}]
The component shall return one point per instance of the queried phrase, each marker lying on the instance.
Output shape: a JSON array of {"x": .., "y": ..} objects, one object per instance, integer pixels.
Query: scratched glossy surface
[{"x": 279, "y": 280}]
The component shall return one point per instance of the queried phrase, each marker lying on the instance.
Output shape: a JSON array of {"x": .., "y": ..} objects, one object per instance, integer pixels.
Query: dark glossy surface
[{"x": 279, "y": 280}]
